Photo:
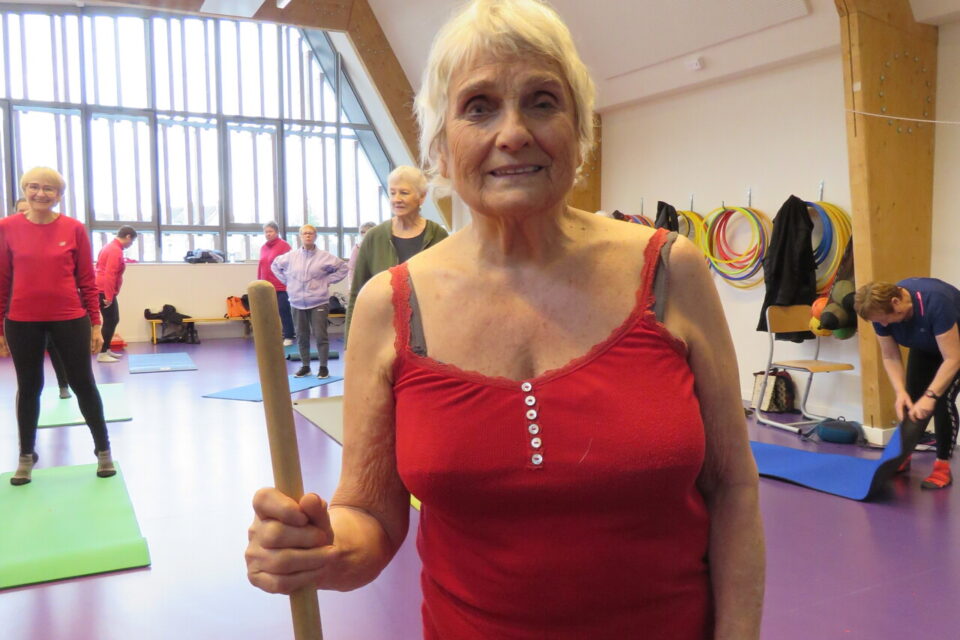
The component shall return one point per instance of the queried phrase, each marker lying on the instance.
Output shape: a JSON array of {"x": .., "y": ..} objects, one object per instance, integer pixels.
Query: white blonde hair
[
  {"x": 411, "y": 175},
  {"x": 501, "y": 28},
  {"x": 43, "y": 172}
]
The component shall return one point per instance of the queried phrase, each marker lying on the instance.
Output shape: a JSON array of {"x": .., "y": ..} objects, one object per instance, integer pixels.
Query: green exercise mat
[
  {"x": 57, "y": 412},
  {"x": 67, "y": 523}
]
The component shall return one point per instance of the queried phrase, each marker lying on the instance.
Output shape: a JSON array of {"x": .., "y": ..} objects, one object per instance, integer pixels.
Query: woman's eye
[
  {"x": 544, "y": 101},
  {"x": 476, "y": 107}
]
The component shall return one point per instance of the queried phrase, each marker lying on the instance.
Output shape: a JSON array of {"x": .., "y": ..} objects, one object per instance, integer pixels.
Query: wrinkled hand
[
  {"x": 290, "y": 543},
  {"x": 922, "y": 409},
  {"x": 902, "y": 405},
  {"x": 96, "y": 339},
  {"x": 4, "y": 350}
]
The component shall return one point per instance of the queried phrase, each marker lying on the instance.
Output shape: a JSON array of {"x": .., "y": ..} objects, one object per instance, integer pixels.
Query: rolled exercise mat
[
  {"x": 154, "y": 362},
  {"x": 844, "y": 476},
  {"x": 254, "y": 392},
  {"x": 67, "y": 523},
  {"x": 278, "y": 411},
  {"x": 62, "y": 412}
]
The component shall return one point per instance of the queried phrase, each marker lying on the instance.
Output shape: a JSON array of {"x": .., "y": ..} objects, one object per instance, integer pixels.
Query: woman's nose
[{"x": 514, "y": 133}]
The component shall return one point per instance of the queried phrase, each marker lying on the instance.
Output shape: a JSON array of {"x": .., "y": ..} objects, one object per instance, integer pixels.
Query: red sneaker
[{"x": 940, "y": 477}]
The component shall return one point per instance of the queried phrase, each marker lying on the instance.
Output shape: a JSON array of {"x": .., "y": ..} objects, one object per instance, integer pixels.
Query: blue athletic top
[{"x": 936, "y": 308}]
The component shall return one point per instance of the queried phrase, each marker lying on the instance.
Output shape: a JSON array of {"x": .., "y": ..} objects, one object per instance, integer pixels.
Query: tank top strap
[
  {"x": 406, "y": 312},
  {"x": 400, "y": 283},
  {"x": 646, "y": 296}
]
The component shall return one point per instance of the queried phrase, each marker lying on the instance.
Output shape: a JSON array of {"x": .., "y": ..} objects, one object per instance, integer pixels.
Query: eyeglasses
[{"x": 46, "y": 188}]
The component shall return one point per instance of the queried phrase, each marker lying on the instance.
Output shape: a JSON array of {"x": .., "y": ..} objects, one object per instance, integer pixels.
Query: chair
[{"x": 785, "y": 319}]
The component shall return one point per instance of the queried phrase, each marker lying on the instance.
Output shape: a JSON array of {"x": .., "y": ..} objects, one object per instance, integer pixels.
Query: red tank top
[{"x": 564, "y": 506}]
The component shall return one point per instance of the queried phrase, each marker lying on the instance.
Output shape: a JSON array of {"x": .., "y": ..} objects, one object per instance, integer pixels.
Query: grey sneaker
[
  {"x": 24, "y": 469},
  {"x": 65, "y": 393},
  {"x": 105, "y": 467},
  {"x": 302, "y": 372}
]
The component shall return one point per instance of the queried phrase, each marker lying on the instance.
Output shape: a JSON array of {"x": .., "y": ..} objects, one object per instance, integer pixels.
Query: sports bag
[
  {"x": 780, "y": 396},
  {"x": 236, "y": 308}
]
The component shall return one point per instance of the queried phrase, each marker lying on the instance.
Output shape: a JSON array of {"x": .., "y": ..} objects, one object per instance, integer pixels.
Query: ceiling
[{"x": 641, "y": 49}]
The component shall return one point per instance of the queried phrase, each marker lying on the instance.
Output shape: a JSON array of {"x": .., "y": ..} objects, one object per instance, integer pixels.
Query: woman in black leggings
[
  {"x": 921, "y": 314},
  {"x": 48, "y": 291},
  {"x": 21, "y": 207}
]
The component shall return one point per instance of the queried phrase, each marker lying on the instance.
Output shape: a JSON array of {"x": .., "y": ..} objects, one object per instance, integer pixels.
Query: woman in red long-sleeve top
[{"x": 48, "y": 288}]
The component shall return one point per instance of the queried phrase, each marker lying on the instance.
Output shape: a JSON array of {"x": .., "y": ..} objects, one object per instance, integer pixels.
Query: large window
[{"x": 195, "y": 131}]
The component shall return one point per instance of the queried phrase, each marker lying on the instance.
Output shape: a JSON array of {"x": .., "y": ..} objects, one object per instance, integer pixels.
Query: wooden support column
[
  {"x": 890, "y": 68},
  {"x": 586, "y": 193}
]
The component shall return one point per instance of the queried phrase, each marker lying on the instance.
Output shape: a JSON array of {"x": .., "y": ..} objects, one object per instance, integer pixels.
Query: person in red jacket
[
  {"x": 110, "y": 267},
  {"x": 273, "y": 247},
  {"x": 48, "y": 288}
]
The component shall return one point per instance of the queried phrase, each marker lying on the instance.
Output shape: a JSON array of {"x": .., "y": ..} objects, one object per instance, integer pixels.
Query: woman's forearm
[
  {"x": 737, "y": 561},
  {"x": 363, "y": 549}
]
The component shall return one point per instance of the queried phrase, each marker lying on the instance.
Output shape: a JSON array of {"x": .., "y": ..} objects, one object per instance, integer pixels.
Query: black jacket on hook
[
  {"x": 666, "y": 217},
  {"x": 789, "y": 268}
]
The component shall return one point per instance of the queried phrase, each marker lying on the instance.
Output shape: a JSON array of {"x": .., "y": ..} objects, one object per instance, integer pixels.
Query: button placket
[{"x": 535, "y": 441}]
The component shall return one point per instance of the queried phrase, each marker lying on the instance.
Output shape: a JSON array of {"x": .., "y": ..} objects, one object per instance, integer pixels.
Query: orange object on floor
[
  {"x": 940, "y": 477},
  {"x": 117, "y": 342}
]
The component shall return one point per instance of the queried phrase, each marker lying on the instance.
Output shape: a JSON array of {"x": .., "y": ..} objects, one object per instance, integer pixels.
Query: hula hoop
[
  {"x": 738, "y": 269},
  {"x": 828, "y": 253}
]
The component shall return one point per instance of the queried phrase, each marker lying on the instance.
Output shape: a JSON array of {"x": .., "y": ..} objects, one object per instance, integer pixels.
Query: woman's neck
[
  {"x": 528, "y": 239},
  {"x": 41, "y": 217},
  {"x": 407, "y": 222}
]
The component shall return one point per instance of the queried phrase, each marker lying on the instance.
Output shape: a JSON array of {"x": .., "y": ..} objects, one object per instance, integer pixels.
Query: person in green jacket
[{"x": 398, "y": 239}]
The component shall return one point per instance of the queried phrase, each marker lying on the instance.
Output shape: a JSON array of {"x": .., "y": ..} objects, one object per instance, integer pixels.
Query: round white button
[
  {"x": 534, "y": 429},
  {"x": 526, "y": 387},
  {"x": 532, "y": 414},
  {"x": 536, "y": 458},
  {"x": 530, "y": 400},
  {"x": 536, "y": 443}
]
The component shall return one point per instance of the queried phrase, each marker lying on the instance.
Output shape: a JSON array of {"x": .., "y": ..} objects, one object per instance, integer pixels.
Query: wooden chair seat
[{"x": 813, "y": 366}]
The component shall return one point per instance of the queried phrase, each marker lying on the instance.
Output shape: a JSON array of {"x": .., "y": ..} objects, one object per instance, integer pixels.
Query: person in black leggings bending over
[
  {"x": 48, "y": 289},
  {"x": 921, "y": 314}
]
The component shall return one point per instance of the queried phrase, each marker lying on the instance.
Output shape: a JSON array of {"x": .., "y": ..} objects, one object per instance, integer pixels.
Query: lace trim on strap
[
  {"x": 400, "y": 282},
  {"x": 651, "y": 258}
]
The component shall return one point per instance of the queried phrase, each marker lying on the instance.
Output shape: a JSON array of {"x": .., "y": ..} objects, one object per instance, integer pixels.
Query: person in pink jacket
[
  {"x": 273, "y": 247},
  {"x": 110, "y": 268}
]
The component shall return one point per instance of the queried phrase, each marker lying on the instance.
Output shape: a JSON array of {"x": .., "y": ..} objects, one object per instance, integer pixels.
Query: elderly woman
[
  {"x": 21, "y": 207},
  {"x": 274, "y": 247},
  {"x": 48, "y": 290},
  {"x": 555, "y": 503},
  {"x": 921, "y": 314},
  {"x": 308, "y": 273},
  {"x": 398, "y": 239}
]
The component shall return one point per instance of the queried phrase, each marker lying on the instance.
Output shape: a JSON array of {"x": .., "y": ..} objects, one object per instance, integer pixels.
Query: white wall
[
  {"x": 198, "y": 290},
  {"x": 945, "y": 262},
  {"x": 778, "y": 133}
]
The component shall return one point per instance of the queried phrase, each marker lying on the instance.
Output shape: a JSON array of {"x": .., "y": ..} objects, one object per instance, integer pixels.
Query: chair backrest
[{"x": 786, "y": 319}]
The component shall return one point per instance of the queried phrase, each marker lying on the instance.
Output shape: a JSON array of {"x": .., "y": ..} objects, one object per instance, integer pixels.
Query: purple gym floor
[{"x": 835, "y": 569}]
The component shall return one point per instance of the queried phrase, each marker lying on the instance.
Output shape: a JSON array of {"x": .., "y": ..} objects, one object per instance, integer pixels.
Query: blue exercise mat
[
  {"x": 253, "y": 392},
  {"x": 153, "y": 362},
  {"x": 292, "y": 352},
  {"x": 845, "y": 476}
]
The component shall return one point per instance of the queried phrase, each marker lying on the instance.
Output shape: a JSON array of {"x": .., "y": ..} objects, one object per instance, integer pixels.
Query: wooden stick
[{"x": 278, "y": 409}]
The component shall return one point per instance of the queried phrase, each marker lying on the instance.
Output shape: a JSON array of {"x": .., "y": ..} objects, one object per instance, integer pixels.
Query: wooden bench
[{"x": 155, "y": 322}]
